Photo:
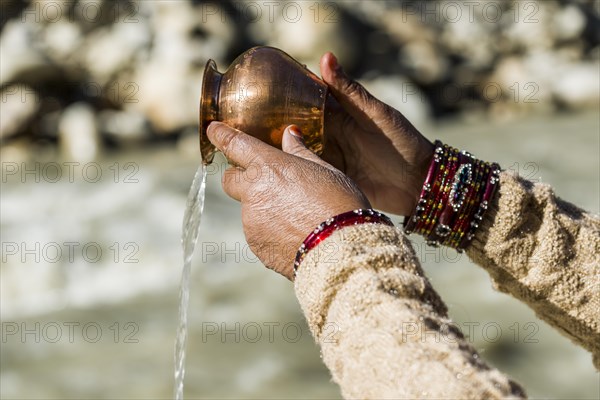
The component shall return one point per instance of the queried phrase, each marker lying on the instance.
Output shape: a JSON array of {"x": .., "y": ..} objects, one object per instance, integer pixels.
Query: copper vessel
[{"x": 263, "y": 91}]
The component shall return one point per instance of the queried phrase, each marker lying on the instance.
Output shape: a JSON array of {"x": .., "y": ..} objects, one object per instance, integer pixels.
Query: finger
[
  {"x": 238, "y": 147},
  {"x": 293, "y": 144},
  {"x": 233, "y": 183},
  {"x": 355, "y": 99}
]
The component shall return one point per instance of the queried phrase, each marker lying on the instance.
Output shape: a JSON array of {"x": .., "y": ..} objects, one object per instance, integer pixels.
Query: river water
[{"x": 86, "y": 327}]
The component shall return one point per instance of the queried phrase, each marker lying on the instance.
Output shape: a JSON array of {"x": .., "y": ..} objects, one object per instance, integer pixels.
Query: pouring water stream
[{"x": 189, "y": 237}]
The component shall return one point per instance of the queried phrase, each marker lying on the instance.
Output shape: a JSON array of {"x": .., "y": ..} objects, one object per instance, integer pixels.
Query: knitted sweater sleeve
[
  {"x": 545, "y": 252},
  {"x": 383, "y": 331}
]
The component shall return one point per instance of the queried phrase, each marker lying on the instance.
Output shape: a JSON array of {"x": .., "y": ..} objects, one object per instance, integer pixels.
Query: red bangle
[{"x": 326, "y": 228}]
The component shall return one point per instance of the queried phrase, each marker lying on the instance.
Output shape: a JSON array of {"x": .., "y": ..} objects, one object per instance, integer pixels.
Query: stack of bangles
[
  {"x": 454, "y": 198},
  {"x": 453, "y": 201}
]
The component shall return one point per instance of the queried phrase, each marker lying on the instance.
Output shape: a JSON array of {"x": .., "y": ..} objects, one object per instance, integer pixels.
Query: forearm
[
  {"x": 383, "y": 330},
  {"x": 545, "y": 252}
]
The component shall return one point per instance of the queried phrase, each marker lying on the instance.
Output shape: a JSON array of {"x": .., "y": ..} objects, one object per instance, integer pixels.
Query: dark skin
[
  {"x": 373, "y": 157},
  {"x": 284, "y": 193},
  {"x": 374, "y": 144}
]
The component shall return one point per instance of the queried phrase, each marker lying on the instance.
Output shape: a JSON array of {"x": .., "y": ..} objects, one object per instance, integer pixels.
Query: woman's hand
[
  {"x": 284, "y": 194},
  {"x": 374, "y": 144}
]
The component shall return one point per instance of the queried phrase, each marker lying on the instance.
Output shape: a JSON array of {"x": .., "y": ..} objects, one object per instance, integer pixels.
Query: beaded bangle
[
  {"x": 470, "y": 199},
  {"x": 428, "y": 192},
  {"x": 490, "y": 189},
  {"x": 325, "y": 229},
  {"x": 454, "y": 198}
]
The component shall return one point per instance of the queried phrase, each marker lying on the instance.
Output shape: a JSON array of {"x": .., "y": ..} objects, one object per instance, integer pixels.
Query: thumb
[
  {"x": 293, "y": 144},
  {"x": 356, "y": 100}
]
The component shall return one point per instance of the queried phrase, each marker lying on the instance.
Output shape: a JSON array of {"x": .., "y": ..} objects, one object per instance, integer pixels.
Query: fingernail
[
  {"x": 334, "y": 64},
  {"x": 295, "y": 131}
]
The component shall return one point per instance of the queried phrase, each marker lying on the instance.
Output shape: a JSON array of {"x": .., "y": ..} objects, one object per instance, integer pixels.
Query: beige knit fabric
[
  {"x": 545, "y": 252},
  {"x": 384, "y": 331}
]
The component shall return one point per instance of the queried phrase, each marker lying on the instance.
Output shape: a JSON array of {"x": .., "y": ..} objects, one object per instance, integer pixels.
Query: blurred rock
[
  {"x": 19, "y": 105},
  {"x": 530, "y": 28},
  {"x": 170, "y": 81},
  {"x": 512, "y": 92},
  {"x": 125, "y": 127},
  {"x": 78, "y": 133},
  {"x": 458, "y": 37},
  {"x": 542, "y": 71},
  {"x": 110, "y": 50},
  {"x": 569, "y": 23},
  {"x": 578, "y": 86},
  {"x": 410, "y": 29},
  {"x": 169, "y": 100},
  {"x": 403, "y": 95},
  {"x": 425, "y": 61},
  {"x": 145, "y": 58},
  {"x": 20, "y": 60},
  {"x": 185, "y": 35},
  {"x": 319, "y": 33},
  {"x": 61, "y": 40}
]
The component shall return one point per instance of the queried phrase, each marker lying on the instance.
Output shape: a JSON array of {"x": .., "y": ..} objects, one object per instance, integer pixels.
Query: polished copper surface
[{"x": 263, "y": 91}]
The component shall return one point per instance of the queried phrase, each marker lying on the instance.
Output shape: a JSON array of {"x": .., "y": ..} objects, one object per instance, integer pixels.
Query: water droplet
[{"x": 458, "y": 376}]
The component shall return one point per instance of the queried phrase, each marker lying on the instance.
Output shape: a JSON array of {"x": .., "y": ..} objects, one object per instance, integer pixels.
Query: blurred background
[{"x": 98, "y": 123}]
